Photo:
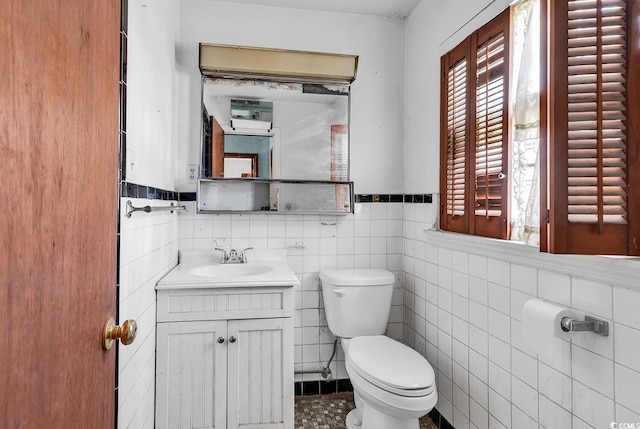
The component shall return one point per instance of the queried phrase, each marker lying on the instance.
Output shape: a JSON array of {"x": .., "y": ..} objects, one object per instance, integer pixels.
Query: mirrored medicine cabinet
[{"x": 275, "y": 131}]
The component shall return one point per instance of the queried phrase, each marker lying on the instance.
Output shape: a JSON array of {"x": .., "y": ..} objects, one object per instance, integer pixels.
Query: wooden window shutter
[
  {"x": 491, "y": 167},
  {"x": 475, "y": 132},
  {"x": 593, "y": 197},
  {"x": 454, "y": 137}
]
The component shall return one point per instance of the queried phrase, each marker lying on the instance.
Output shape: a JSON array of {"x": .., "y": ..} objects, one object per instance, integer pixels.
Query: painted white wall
[
  {"x": 148, "y": 242},
  {"x": 152, "y": 93},
  {"x": 377, "y": 93}
]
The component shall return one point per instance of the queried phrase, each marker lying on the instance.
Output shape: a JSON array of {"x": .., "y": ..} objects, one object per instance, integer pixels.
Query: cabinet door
[
  {"x": 260, "y": 374},
  {"x": 191, "y": 375}
]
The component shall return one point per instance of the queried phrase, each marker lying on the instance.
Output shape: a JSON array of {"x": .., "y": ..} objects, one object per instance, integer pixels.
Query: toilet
[{"x": 393, "y": 384}]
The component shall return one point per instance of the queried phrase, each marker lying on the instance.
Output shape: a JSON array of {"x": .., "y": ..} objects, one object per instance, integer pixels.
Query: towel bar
[{"x": 149, "y": 209}]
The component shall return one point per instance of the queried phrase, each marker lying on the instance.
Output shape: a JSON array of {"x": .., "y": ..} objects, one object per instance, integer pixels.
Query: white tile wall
[
  {"x": 370, "y": 238},
  {"x": 462, "y": 310},
  {"x": 148, "y": 250},
  {"x": 496, "y": 380}
]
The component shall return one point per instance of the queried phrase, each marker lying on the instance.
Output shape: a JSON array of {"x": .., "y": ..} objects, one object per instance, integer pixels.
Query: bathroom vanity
[{"x": 225, "y": 343}]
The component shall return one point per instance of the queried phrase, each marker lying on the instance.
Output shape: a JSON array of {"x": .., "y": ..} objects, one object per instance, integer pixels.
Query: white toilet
[{"x": 393, "y": 384}]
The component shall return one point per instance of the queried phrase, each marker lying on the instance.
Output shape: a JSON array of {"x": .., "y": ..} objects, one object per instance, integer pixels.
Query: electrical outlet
[{"x": 192, "y": 173}]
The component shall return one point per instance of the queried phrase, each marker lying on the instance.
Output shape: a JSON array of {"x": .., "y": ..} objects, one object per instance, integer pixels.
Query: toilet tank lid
[{"x": 357, "y": 276}]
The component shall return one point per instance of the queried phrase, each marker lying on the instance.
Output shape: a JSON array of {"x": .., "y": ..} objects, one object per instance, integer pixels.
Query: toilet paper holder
[{"x": 600, "y": 327}]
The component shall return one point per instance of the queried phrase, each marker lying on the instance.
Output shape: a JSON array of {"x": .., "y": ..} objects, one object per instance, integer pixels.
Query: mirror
[{"x": 274, "y": 130}]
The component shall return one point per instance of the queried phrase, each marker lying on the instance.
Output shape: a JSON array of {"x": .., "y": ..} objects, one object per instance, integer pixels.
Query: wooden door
[
  {"x": 191, "y": 375},
  {"x": 59, "y": 154},
  {"x": 217, "y": 149},
  {"x": 260, "y": 374}
]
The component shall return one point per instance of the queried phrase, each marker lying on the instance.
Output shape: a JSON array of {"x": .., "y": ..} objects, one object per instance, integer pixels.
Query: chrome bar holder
[
  {"x": 149, "y": 209},
  {"x": 600, "y": 327}
]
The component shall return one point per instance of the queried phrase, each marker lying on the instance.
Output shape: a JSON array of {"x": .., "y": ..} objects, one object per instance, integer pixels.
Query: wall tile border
[
  {"x": 394, "y": 198},
  {"x": 133, "y": 190},
  {"x": 322, "y": 387},
  {"x": 439, "y": 420},
  {"x": 359, "y": 198}
]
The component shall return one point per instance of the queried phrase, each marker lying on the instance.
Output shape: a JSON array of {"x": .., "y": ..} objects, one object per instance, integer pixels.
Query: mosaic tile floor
[{"x": 329, "y": 412}]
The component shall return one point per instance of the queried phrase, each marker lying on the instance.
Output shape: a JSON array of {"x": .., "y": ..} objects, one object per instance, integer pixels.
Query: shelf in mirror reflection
[{"x": 274, "y": 196}]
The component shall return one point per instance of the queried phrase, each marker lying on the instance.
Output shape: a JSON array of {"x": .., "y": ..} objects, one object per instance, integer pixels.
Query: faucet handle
[
  {"x": 225, "y": 257},
  {"x": 243, "y": 255}
]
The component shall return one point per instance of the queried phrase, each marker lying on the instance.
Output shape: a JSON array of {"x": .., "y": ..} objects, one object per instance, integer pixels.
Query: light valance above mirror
[
  {"x": 243, "y": 62},
  {"x": 280, "y": 118}
]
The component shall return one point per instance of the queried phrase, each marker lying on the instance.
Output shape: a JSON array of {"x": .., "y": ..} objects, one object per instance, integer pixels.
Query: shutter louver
[
  {"x": 490, "y": 118},
  {"x": 490, "y": 168},
  {"x": 456, "y": 138},
  {"x": 597, "y": 112}
]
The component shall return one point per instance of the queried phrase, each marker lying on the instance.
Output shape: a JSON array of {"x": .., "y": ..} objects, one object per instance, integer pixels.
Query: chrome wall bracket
[
  {"x": 149, "y": 209},
  {"x": 600, "y": 327}
]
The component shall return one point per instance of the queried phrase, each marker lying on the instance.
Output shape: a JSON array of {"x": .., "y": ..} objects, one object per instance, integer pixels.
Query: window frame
[{"x": 469, "y": 222}]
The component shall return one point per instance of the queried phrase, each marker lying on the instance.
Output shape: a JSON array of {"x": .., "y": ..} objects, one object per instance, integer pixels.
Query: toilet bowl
[{"x": 393, "y": 384}]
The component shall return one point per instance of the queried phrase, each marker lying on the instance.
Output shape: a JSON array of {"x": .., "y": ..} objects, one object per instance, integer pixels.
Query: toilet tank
[{"x": 357, "y": 302}]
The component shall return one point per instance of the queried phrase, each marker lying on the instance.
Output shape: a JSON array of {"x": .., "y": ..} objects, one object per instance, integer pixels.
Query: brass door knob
[{"x": 125, "y": 333}]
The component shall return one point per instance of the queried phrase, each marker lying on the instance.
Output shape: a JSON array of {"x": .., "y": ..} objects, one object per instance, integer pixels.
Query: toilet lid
[{"x": 389, "y": 363}]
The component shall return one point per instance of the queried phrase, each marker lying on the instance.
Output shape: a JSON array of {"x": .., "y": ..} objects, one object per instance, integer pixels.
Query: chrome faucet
[{"x": 232, "y": 257}]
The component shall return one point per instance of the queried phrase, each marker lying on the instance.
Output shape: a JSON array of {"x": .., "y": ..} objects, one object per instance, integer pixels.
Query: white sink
[
  {"x": 200, "y": 269},
  {"x": 230, "y": 270}
]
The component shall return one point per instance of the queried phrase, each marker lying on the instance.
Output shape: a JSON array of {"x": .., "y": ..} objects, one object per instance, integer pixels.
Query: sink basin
[{"x": 230, "y": 270}]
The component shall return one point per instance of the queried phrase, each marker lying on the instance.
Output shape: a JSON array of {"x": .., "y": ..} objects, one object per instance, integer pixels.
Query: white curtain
[{"x": 525, "y": 99}]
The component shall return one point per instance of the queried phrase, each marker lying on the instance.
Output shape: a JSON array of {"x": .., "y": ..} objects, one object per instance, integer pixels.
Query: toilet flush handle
[{"x": 340, "y": 292}]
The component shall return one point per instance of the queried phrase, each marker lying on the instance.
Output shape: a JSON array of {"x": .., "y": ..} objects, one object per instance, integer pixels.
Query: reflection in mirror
[
  {"x": 274, "y": 130},
  {"x": 283, "y": 196}
]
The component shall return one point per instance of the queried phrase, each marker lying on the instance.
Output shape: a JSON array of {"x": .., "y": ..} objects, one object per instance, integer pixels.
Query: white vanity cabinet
[{"x": 225, "y": 358}]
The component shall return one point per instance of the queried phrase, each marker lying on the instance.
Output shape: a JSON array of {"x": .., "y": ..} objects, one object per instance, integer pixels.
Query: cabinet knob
[
  {"x": 232, "y": 339},
  {"x": 220, "y": 340}
]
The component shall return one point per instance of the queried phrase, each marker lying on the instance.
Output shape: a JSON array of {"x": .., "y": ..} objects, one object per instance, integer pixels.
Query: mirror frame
[{"x": 263, "y": 64}]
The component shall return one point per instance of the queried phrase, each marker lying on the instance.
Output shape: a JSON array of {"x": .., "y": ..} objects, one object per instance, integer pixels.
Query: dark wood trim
[
  {"x": 558, "y": 126},
  {"x": 543, "y": 149},
  {"x": 444, "y": 67},
  {"x": 217, "y": 148},
  {"x": 470, "y": 174},
  {"x": 633, "y": 127}
]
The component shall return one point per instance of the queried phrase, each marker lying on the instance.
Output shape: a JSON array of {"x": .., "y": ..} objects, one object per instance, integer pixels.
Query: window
[
  {"x": 589, "y": 129},
  {"x": 475, "y": 132}
]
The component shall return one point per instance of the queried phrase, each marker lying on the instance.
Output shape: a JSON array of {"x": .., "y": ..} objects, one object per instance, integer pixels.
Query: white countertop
[{"x": 181, "y": 276}]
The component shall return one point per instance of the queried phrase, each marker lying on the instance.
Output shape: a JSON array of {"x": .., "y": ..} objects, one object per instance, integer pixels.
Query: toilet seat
[{"x": 390, "y": 365}]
